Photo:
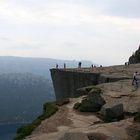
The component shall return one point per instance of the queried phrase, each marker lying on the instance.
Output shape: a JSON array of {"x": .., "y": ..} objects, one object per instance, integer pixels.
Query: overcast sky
[{"x": 103, "y": 31}]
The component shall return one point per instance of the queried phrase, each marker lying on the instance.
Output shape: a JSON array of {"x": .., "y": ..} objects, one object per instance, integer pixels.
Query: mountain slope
[{"x": 22, "y": 96}]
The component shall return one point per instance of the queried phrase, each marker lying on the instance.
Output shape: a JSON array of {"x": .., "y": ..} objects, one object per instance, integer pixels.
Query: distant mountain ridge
[
  {"x": 25, "y": 84},
  {"x": 38, "y": 66},
  {"x": 22, "y": 96}
]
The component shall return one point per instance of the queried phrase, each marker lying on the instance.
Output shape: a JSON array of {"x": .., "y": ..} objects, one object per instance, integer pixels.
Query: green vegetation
[
  {"x": 48, "y": 110},
  {"x": 96, "y": 90},
  {"x": 63, "y": 101},
  {"x": 137, "y": 117},
  {"x": 138, "y": 137},
  {"x": 77, "y": 106}
]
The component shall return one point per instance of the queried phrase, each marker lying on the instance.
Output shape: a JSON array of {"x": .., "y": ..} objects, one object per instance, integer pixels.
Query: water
[{"x": 8, "y": 131}]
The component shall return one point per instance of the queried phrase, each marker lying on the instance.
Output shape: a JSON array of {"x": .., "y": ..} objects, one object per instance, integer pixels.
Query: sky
[{"x": 105, "y": 32}]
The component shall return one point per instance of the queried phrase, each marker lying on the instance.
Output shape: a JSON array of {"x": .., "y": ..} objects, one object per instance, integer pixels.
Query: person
[
  {"x": 79, "y": 65},
  {"x": 101, "y": 66},
  {"x": 64, "y": 65},
  {"x": 56, "y": 66},
  {"x": 135, "y": 78}
]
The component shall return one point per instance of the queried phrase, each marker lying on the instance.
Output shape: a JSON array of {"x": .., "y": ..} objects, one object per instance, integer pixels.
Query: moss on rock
[{"x": 48, "y": 110}]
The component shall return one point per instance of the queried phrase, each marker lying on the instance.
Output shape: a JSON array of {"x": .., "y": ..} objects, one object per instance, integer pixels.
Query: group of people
[
  {"x": 134, "y": 81},
  {"x": 79, "y": 65}
]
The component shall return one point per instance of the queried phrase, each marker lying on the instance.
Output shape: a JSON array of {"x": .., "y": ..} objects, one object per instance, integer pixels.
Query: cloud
[{"x": 69, "y": 29}]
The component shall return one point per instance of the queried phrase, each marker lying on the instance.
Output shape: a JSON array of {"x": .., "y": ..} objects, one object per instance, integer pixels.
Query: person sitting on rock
[{"x": 135, "y": 78}]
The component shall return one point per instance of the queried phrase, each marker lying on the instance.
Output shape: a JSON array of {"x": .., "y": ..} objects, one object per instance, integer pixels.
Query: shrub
[
  {"x": 138, "y": 137},
  {"x": 96, "y": 90},
  {"x": 137, "y": 117},
  {"x": 48, "y": 110},
  {"x": 63, "y": 101},
  {"x": 77, "y": 105}
]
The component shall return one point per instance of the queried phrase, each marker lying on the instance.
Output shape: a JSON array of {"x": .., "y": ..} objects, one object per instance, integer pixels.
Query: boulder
[
  {"x": 83, "y": 91},
  {"x": 97, "y": 136},
  {"x": 93, "y": 102},
  {"x": 74, "y": 136},
  {"x": 135, "y": 58},
  {"x": 112, "y": 111}
]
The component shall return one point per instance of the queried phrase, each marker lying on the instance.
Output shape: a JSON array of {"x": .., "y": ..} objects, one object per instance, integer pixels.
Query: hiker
[
  {"x": 56, "y": 66},
  {"x": 64, "y": 65},
  {"x": 135, "y": 78},
  {"x": 79, "y": 65}
]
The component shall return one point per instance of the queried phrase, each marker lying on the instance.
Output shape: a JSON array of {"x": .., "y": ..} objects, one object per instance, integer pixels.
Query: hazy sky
[{"x": 103, "y": 31}]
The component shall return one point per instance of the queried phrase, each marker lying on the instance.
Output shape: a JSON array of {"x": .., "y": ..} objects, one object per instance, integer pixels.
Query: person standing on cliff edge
[
  {"x": 79, "y": 64},
  {"x": 56, "y": 66},
  {"x": 64, "y": 65}
]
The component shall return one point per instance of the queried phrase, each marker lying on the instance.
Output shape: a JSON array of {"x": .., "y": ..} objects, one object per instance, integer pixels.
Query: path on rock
[
  {"x": 65, "y": 119},
  {"x": 69, "y": 120}
]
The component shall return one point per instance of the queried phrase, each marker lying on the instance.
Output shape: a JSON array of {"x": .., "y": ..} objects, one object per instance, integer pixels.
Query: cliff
[
  {"x": 135, "y": 58},
  {"x": 67, "y": 81},
  {"x": 119, "y": 97}
]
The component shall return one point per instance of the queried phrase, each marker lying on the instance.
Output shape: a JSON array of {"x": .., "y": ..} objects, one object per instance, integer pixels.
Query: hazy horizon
[{"x": 105, "y": 32}]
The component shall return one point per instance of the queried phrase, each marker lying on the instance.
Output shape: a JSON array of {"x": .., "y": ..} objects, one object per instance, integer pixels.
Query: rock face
[
  {"x": 112, "y": 111},
  {"x": 122, "y": 92},
  {"x": 66, "y": 82},
  {"x": 135, "y": 58},
  {"x": 120, "y": 96},
  {"x": 107, "y": 78},
  {"x": 93, "y": 102},
  {"x": 74, "y": 136}
]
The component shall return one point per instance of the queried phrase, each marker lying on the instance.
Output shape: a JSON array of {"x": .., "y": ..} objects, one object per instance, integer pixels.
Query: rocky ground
[{"x": 70, "y": 124}]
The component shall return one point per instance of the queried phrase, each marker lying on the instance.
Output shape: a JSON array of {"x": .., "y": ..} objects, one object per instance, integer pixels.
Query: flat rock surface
[
  {"x": 122, "y": 92},
  {"x": 67, "y": 120}
]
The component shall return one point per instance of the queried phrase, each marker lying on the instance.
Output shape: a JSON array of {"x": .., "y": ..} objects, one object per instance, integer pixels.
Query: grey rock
[
  {"x": 92, "y": 103},
  {"x": 83, "y": 91},
  {"x": 74, "y": 136},
  {"x": 112, "y": 111}
]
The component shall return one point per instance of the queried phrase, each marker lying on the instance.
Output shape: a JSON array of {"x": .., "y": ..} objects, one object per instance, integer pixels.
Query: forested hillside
[{"x": 22, "y": 96}]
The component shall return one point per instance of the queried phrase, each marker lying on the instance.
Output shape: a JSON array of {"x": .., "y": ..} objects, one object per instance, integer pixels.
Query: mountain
[
  {"x": 37, "y": 66},
  {"x": 25, "y": 84},
  {"x": 135, "y": 58},
  {"x": 109, "y": 110},
  {"x": 22, "y": 96}
]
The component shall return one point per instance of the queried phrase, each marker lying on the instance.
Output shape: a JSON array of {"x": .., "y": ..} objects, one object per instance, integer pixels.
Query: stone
[
  {"x": 135, "y": 58},
  {"x": 97, "y": 136},
  {"x": 112, "y": 111},
  {"x": 83, "y": 91},
  {"x": 93, "y": 102},
  {"x": 74, "y": 136}
]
